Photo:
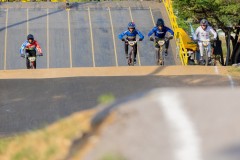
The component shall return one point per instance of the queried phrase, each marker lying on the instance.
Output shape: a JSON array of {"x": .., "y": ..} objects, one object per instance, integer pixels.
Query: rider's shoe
[
  {"x": 161, "y": 62},
  {"x": 201, "y": 62},
  {"x": 135, "y": 61},
  {"x": 209, "y": 60},
  {"x": 191, "y": 62},
  {"x": 166, "y": 52}
]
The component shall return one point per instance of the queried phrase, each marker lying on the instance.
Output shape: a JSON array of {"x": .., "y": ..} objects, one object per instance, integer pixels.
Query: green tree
[{"x": 221, "y": 13}]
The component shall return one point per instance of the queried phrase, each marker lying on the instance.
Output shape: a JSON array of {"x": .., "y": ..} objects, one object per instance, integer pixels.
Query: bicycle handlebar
[
  {"x": 37, "y": 55},
  {"x": 131, "y": 43}
]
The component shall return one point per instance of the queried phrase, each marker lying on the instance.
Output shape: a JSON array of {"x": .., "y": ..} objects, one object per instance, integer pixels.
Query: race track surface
[
  {"x": 28, "y": 101},
  {"x": 84, "y": 36}
]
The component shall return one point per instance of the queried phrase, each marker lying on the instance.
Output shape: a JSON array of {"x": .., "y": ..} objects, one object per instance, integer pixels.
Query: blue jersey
[
  {"x": 131, "y": 35},
  {"x": 160, "y": 33}
]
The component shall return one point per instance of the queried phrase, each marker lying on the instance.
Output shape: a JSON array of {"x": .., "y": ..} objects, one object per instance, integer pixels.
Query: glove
[
  {"x": 23, "y": 55},
  {"x": 166, "y": 38},
  {"x": 151, "y": 39},
  {"x": 123, "y": 40},
  {"x": 170, "y": 37},
  {"x": 140, "y": 39}
]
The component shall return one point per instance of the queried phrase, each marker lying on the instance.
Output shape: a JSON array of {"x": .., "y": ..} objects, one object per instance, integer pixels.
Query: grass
[
  {"x": 234, "y": 71},
  {"x": 113, "y": 156},
  {"x": 106, "y": 98},
  {"x": 4, "y": 144},
  {"x": 25, "y": 153},
  {"x": 51, "y": 143}
]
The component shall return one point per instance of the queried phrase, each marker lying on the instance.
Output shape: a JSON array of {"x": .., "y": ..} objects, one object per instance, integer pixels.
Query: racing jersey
[
  {"x": 203, "y": 35},
  {"x": 160, "y": 33},
  {"x": 30, "y": 46},
  {"x": 131, "y": 35}
]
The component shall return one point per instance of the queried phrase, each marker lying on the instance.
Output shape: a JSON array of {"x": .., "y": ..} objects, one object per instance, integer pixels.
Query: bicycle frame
[
  {"x": 205, "y": 44},
  {"x": 32, "y": 61},
  {"x": 131, "y": 53},
  {"x": 160, "y": 57}
]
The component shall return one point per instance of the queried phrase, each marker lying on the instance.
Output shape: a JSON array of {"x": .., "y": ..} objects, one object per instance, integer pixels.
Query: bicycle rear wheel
[
  {"x": 157, "y": 57},
  {"x": 206, "y": 58},
  {"x": 163, "y": 57},
  {"x": 130, "y": 60},
  {"x": 32, "y": 65}
]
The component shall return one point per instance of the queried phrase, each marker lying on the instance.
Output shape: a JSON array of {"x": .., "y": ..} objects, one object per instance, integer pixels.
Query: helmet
[
  {"x": 30, "y": 36},
  {"x": 131, "y": 25},
  {"x": 204, "y": 22},
  {"x": 160, "y": 22}
]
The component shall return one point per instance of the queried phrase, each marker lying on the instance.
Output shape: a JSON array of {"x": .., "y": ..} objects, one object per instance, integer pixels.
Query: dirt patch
[{"x": 112, "y": 71}]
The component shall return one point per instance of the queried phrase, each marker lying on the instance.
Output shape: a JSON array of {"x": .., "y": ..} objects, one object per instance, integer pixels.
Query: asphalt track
[
  {"x": 32, "y": 103},
  {"x": 85, "y": 36},
  {"x": 80, "y": 37}
]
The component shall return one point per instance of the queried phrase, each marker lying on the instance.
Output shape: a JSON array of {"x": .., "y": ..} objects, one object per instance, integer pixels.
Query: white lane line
[
  {"x": 47, "y": 38},
  {"x": 152, "y": 16},
  {"x": 216, "y": 69},
  {"x": 91, "y": 34},
  {"x": 5, "y": 45},
  {"x": 139, "y": 61},
  {"x": 231, "y": 81},
  {"x": 186, "y": 140},
  {"x": 114, "y": 43},
  {"x": 27, "y": 22},
  {"x": 232, "y": 84},
  {"x": 69, "y": 37}
]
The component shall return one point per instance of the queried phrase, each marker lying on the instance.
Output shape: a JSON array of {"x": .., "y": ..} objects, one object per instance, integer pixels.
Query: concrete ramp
[{"x": 85, "y": 36}]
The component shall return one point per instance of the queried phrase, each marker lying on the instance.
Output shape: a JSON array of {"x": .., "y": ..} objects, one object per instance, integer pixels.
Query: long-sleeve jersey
[
  {"x": 160, "y": 33},
  {"x": 30, "y": 46},
  {"x": 201, "y": 34},
  {"x": 131, "y": 35}
]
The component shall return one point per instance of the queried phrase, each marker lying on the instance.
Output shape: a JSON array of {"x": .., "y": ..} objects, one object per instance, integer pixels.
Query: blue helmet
[
  {"x": 131, "y": 25},
  {"x": 160, "y": 22},
  {"x": 30, "y": 36}
]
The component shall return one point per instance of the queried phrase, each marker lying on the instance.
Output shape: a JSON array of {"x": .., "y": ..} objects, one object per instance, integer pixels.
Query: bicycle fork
[{"x": 159, "y": 56}]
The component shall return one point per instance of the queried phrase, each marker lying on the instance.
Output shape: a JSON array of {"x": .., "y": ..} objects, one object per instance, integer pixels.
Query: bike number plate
[
  {"x": 161, "y": 43},
  {"x": 205, "y": 44},
  {"x": 131, "y": 43},
  {"x": 32, "y": 59}
]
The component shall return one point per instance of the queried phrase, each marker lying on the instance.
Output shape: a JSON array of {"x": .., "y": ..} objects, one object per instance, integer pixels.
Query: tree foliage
[{"x": 220, "y": 13}]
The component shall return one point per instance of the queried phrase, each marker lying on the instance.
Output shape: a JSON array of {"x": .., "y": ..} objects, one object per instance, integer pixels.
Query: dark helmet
[
  {"x": 30, "y": 36},
  {"x": 204, "y": 22},
  {"x": 160, "y": 22},
  {"x": 131, "y": 25}
]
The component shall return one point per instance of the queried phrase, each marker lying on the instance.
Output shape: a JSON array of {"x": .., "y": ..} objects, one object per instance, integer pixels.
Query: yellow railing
[
  {"x": 178, "y": 36},
  {"x": 32, "y": 0}
]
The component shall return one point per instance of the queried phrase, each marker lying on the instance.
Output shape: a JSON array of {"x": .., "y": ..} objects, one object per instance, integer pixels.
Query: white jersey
[{"x": 203, "y": 35}]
